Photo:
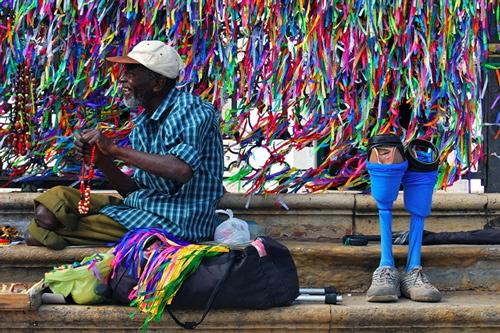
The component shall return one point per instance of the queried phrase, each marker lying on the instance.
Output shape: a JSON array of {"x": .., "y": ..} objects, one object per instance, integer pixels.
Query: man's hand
[
  {"x": 88, "y": 138},
  {"x": 104, "y": 159},
  {"x": 82, "y": 148},
  {"x": 95, "y": 137}
]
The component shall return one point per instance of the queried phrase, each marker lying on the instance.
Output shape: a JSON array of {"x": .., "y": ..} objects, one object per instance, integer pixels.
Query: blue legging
[
  {"x": 385, "y": 183},
  {"x": 385, "y": 221},
  {"x": 418, "y": 189}
]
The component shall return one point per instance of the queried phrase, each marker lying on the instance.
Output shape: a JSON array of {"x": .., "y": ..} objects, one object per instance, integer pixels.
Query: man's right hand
[
  {"x": 84, "y": 150},
  {"x": 121, "y": 182},
  {"x": 81, "y": 147}
]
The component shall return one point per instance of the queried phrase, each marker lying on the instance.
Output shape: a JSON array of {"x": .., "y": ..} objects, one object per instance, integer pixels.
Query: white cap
[{"x": 154, "y": 55}]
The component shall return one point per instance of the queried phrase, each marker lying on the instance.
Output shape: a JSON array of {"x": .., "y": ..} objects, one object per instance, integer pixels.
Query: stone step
[
  {"x": 458, "y": 312},
  {"x": 318, "y": 217},
  {"x": 349, "y": 268}
]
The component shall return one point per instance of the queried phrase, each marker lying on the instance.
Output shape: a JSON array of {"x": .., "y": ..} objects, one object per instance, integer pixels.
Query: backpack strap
[{"x": 192, "y": 324}]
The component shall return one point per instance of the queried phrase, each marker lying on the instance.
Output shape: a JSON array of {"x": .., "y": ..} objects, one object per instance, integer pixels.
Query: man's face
[{"x": 136, "y": 84}]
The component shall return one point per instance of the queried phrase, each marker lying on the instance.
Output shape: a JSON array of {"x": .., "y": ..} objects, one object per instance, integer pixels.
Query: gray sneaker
[
  {"x": 385, "y": 285},
  {"x": 417, "y": 287}
]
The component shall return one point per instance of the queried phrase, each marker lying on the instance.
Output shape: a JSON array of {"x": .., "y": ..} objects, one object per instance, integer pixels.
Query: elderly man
[{"x": 176, "y": 149}]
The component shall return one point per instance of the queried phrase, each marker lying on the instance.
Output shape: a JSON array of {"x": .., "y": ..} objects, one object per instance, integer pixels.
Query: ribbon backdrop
[{"x": 287, "y": 75}]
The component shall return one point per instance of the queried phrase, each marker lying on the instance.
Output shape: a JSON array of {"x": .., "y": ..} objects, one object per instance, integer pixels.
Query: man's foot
[
  {"x": 416, "y": 286},
  {"x": 30, "y": 240},
  {"x": 385, "y": 285}
]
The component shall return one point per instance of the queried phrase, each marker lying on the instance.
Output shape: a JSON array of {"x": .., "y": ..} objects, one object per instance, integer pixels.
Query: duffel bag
[{"x": 260, "y": 276}]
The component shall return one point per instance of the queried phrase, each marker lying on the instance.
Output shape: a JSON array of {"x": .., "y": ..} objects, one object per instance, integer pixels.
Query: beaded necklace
[{"x": 85, "y": 180}]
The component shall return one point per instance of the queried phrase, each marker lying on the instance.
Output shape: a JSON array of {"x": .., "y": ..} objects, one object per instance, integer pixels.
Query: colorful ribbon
[{"x": 161, "y": 263}]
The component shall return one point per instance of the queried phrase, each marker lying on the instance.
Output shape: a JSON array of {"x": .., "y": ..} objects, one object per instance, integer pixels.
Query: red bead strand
[{"x": 85, "y": 180}]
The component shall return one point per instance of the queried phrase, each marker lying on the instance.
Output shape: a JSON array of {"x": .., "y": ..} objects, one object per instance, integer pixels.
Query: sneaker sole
[
  {"x": 382, "y": 298},
  {"x": 426, "y": 299},
  {"x": 429, "y": 299}
]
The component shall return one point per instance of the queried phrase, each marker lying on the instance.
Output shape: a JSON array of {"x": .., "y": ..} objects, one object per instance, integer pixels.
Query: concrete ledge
[
  {"x": 34, "y": 256},
  {"x": 50, "y": 318},
  {"x": 449, "y": 267},
  {"x": 458, "y": 312},
  {"x": 349, "y": 268},
  {"x": 441, "y": 201},
  {"x": 336, "y": 199},
  {"x": 314, "y": 217}
]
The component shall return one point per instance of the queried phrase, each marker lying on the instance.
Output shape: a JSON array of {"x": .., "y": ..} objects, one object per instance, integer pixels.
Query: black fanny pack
[{"x": 260, "y": 276}]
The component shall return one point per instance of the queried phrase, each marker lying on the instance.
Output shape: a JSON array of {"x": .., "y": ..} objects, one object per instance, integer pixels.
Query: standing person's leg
[
  {"x": 386, "y": 167},
  {"x": 57, "y": 222}
]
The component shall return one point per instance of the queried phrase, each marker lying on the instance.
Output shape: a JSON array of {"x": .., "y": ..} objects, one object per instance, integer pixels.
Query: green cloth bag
[{"x": 80, "y": 279}]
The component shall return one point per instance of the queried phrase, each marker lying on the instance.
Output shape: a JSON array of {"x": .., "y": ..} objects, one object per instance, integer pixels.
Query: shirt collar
[{"x": 166, "y": 104}]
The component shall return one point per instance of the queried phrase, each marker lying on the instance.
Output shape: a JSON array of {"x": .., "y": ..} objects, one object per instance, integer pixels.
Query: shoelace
[
  {"x": 421, "y": 279},
  {"x": 385, "y": 275}
]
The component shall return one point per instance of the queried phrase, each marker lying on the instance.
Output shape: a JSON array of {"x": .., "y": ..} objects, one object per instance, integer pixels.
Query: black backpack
[{"x": 251, "y": 278}]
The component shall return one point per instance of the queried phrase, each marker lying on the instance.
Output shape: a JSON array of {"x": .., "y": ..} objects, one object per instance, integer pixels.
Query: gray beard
[{"x": 132, "y": 102}]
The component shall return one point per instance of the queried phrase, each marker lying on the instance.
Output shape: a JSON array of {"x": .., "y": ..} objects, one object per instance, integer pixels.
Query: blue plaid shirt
[{"x": 187, "y": 127}]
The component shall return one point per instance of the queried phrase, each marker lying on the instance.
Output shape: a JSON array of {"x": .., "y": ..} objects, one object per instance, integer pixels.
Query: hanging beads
[
  {"x": 22, "y": 111},
  {"x": 85, "y": 180}
]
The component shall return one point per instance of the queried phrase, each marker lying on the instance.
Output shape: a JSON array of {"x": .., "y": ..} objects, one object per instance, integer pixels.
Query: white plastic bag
[{"x": 232, "y": 231}]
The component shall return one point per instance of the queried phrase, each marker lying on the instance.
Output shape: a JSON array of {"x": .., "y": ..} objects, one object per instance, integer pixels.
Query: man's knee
[{"x": 45, "y": 219}]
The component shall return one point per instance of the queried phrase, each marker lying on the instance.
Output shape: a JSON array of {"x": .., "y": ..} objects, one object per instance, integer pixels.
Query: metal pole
[
  {"x": 326, "y": 299},
  {"x": 318, "y": 291}
]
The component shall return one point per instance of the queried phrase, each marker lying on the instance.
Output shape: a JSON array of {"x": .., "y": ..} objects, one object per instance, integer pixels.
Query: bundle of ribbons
[
  {"x": 161, "y": 263},
  {"x": 9, "y": 235}
]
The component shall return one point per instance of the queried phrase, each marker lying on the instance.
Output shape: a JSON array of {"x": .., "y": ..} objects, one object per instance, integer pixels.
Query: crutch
[{"x": 326, "y": 295}]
